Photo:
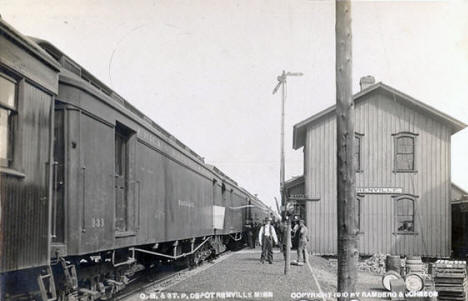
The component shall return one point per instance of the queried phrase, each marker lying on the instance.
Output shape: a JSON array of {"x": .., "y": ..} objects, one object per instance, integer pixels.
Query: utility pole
[
  {"x": 282, "y": 83},
  {"x": 348, "y": 252}
]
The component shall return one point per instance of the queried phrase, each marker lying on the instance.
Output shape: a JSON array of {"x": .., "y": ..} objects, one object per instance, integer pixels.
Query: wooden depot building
[{"x": 403, "y": 178}]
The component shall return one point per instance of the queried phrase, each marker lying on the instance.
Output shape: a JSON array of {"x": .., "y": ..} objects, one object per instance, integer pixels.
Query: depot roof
[{"x": 300, "y": 128}]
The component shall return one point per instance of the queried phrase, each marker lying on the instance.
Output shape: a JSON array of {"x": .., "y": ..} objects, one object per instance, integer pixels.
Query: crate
[{"x": 450, "y": 280}]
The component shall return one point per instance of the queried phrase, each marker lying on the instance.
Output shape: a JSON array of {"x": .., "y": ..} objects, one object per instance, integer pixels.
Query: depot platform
[
  {"x": 242, "y": 273},
  {"x": 240, "y": 276}
]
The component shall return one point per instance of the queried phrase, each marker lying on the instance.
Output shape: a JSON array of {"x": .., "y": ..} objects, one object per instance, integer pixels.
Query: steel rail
[
  {"x": 170, "y": 256},
  {"x": 145, "y": 286}
]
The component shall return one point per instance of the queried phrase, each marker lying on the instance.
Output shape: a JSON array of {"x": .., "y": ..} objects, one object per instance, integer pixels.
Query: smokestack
[{"x": 366, "y": 81}]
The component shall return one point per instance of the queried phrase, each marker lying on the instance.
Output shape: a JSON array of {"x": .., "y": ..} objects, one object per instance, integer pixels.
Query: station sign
[{"x": 379, "y": 190}]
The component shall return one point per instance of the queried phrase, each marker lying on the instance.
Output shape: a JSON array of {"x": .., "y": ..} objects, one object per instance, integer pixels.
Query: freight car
[{"x": 92, "y": 190}]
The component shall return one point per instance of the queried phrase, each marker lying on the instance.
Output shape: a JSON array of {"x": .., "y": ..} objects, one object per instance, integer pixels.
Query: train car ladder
[
  {"x": 47, "y": 286},
  {"x": 70, "y": 274}
]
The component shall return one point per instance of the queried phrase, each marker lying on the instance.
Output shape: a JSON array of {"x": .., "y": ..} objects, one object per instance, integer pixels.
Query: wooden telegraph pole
[
  {"x": 284, "y": 201},
  {"x": 287, "y": 261},
  {"x": 348, "y": 253}
]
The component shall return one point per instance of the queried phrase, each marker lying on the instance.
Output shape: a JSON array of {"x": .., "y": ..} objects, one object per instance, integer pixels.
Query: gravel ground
[
  {"x": 326, "y": 275},
  {"x": 242, "y": 272}
]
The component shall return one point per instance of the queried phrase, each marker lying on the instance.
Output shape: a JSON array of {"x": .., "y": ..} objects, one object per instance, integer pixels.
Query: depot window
[
  {"x": 7, "y": 113},
  {"x": 404, "y": 215},
  {"x": 404, "y": 147},
  {"x": 357, "y": 152},
  {"x": 358, "y": 224}
]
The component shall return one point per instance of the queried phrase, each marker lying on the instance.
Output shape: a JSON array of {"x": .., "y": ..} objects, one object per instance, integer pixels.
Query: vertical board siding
[
  {"x": 97, "y": 179},
  {"x": 25, "y": 244},
  {"x": 170, "y": 197},
  {"x": 188, "y": 212},
  {"x": 150, "y": 166},
  {"x": 378, "y": 116}
]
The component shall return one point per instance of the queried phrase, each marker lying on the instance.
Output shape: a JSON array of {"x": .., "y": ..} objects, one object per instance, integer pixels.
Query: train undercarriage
[{"x": 102, "y": 275}]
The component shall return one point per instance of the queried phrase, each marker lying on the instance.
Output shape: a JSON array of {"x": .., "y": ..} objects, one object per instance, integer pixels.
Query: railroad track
[{"x": 139, "y": 285}]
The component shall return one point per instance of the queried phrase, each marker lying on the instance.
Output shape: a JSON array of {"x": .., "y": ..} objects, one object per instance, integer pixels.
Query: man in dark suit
[{"x": 302, "y": 238}]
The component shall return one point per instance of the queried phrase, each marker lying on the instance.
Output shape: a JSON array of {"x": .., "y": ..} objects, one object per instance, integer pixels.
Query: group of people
[{"x": 268, "y": 238}]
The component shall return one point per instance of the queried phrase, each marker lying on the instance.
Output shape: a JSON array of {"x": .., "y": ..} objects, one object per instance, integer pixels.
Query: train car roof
[
  {"x": 74, "y": 68},
  {"x": 69, "y": 68},
  {"x": 221, "y": 174},
  {"x": 28, "y": 44}
]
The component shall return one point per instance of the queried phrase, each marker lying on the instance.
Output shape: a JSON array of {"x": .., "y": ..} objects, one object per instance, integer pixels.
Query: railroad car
[
  {"x": 28, "y": 87},
  {"x": 92, "y": 190}
]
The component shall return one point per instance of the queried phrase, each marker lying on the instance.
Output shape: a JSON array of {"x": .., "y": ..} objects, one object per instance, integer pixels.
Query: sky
[{"x": 205, "y": 69}]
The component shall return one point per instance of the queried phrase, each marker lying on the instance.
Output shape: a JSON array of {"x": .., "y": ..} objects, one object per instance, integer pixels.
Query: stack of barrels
[
  {"x": 414, "y": 280},
  {"x": 393, "y": 271},
  {"x": 399, "y": 278}
]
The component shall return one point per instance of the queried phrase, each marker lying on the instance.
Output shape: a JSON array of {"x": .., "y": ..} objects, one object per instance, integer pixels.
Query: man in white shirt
[{"x": 267, "y": 238}]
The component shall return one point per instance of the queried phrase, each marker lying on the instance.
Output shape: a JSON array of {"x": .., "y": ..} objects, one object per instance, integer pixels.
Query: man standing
[
  {"x": 250, "y": 234},
  {"x": 303, "y": 237},
  {"x": 295, "y": 233},
  {"x": 267, "y": 238}
]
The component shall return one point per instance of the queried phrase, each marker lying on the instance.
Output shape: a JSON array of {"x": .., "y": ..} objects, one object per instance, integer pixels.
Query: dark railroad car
[
  {"x": 227, "y": 194},
  {"x": 92, "y": 189},
  {"x": 126, "y": 181},
  {"x": 259, "y": 211},
  {"x": 28, "y": 86}
]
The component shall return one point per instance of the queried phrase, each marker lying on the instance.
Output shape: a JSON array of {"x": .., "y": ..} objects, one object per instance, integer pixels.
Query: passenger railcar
[
  {"x": 28, "y": 87},
  {"x": 96, "y": 188}
]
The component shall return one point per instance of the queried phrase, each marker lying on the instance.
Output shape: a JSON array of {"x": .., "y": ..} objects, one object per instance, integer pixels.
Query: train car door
[
  {"x": 58, "y": 200},
  {"x": 121, "y": 179}
]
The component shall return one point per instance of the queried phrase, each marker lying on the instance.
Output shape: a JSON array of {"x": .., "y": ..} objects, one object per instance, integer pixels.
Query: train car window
[
  {"x": 120, "y": 153},
  {"x": 223, "y": 193},
  {"x": 7, "y": 112}
]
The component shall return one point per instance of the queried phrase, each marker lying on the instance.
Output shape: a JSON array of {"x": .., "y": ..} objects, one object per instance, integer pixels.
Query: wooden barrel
[
  {"x": 393, "y": 263},
  {"x": 414, "y": 264},
  {"x": 414, "y": 282},
  {"x": 389, "y": 276}
]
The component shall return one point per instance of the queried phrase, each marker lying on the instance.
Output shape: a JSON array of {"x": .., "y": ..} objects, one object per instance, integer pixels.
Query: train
[{"x": 91, "y": 189}]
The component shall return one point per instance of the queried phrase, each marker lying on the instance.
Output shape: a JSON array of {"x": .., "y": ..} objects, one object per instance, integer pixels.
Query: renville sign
[
  {"x": 359, "y": 190},
  {"x": 379, "y": 190}
]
